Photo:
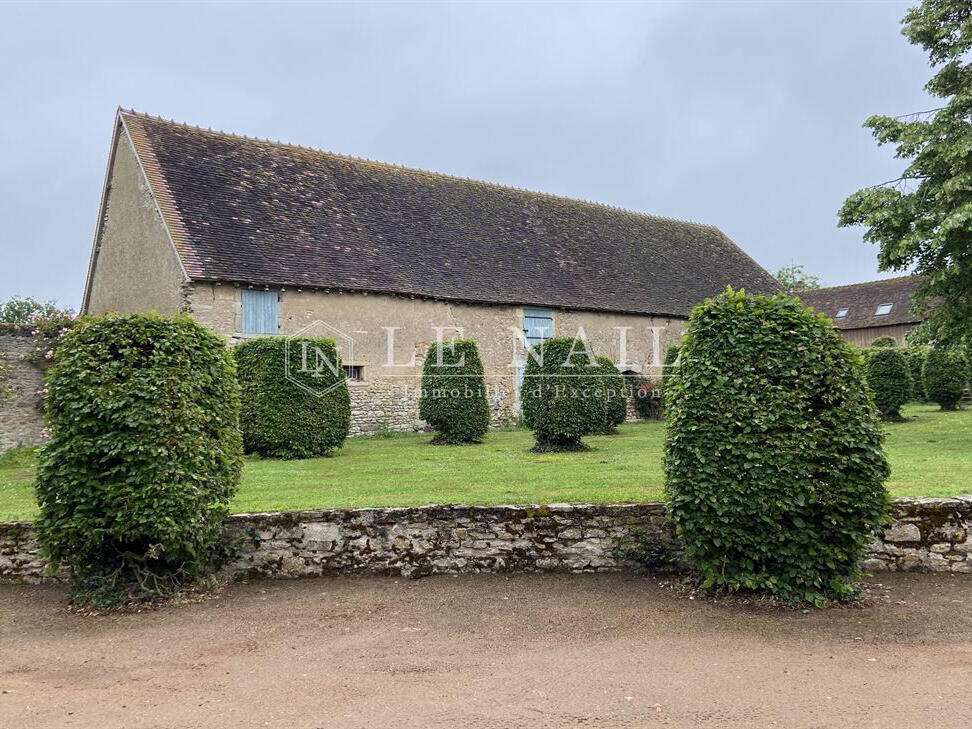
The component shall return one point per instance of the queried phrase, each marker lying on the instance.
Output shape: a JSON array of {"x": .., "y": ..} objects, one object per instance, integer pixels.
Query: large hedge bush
[
  {"x": 884, "y": 343},
  {"x": 774, "y": 464},
  {"x": 944, "y": 377},
  {"x": 453, "y": 399},
  {"x": 670, "y": 365},
  {"x": 143, "y": 457},
  {"x": 559, "y": 396},
  {"x": 295, "y": 397},
  {"x": 889, "y": 378},
  {"x": 916, "y": 361},
  {"x": 615, "y": 394}
]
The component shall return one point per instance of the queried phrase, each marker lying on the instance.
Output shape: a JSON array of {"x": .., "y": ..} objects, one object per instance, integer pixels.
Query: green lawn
[{"x": 930, "y": 453}]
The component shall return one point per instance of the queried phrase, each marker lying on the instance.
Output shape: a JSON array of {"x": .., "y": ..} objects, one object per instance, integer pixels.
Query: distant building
[{"x": 865, "y": 311}]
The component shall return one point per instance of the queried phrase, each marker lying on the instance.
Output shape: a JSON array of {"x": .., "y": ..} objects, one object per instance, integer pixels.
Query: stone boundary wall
[
  {"x": 926, "y": 535},
  {"x": 21, "y": 421}
]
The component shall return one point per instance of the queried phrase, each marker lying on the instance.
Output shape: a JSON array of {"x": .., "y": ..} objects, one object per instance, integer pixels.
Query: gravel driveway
[{"x": 489, "y": 651}]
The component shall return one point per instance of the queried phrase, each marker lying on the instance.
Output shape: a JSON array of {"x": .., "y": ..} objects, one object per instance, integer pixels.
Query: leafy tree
[
  {"x": 614, "y": 392},
  {"x": 923, "y": 219},
  {"x": 944, "y": 374},
  {"x": 453, "y": 399},
  {"x": 774, "y": 468},
  {"x": 24, "y": 310},
  {"x": 889, "y": 378},
  {"x": 792, "y": 278}
]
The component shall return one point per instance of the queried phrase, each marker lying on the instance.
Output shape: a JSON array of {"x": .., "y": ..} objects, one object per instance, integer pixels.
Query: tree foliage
[
  {"x": 793, "y": 279},
  {"x": 24, "y": 310},
  {"x": 882, "y": 342},
  {"x": 559, "y": 396},
  {"x": 143, "y": 458},
  {"x": 614, "y": 392},
  {"x": 923, "y": 219},
  {"x": 453, "y": 399},
  {"x": 774, "y": 465},
  {"x": 889, "y": 378},
  {"x": 300, "y": 411},
  {"x": 944, "y": 376}
]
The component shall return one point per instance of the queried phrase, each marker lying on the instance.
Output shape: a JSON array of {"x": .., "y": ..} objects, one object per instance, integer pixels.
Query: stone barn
[{"x": 259, "y": 238}]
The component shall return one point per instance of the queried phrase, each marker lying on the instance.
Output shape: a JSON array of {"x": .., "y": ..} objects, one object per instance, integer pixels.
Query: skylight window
[
  {"x": 883, "y": 309},
  {"x": 841, "y": 313}
]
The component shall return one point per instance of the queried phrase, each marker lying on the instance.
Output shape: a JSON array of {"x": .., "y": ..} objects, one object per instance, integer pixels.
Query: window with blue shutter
[
  {"x": 259, "y": 311},
  {"x": 537, "y": 325}
]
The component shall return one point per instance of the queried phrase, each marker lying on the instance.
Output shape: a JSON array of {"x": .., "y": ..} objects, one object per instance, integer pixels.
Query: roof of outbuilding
[
  {"x": 862, "y": 300},
  {"x": 256, "y": 211}
]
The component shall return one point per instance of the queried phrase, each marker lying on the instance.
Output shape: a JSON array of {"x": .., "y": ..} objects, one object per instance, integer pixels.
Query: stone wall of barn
[
  {"x": 925, "y": 535},
  {"x": 386, "y": 338},
  {"x": 21, "y": 421}
]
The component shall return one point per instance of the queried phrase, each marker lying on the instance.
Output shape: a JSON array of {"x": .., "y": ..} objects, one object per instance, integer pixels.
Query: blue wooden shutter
[
  {"x": 259, "y": 312},
  {"x": 537, "y": 325}
]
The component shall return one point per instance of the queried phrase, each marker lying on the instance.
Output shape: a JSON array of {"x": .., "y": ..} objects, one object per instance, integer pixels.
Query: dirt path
[{"x": 489, "y": 651}]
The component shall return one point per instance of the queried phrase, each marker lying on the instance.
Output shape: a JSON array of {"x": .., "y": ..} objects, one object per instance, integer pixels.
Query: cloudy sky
[{"x": 743, "y": 115}]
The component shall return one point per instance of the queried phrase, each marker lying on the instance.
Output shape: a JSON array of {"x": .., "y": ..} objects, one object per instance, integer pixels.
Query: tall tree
[
  {"x": 792, "y": 278},
  {"x": 923, "y": 219}
]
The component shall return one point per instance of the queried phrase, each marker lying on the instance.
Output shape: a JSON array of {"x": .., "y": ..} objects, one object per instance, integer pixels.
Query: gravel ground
[{"x": 489, "y": 651}]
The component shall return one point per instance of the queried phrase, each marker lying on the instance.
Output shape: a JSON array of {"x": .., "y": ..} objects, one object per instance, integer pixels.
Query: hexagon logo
[{"x": 312, "y": 368}]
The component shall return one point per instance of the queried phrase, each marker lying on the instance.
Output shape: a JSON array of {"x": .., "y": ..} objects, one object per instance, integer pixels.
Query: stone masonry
[
  {"x": 925, "y": 535},
  {"x": 21, "y": 421}
]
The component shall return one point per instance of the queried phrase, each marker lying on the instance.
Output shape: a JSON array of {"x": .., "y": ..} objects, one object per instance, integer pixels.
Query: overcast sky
[{"x": 746, "y": 116}]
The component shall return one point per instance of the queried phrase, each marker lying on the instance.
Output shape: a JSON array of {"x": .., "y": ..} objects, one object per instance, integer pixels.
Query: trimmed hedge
[
  {"x": 669, "y": 368},
  {"x": 889, "y": 378},
  {"x": 453, "y": 399},
  {"x": 615, "y": 395},
  {"x": 944, "y": 377},
  {"x": 143, "y": 458},
  {"x": 774, "y": 463},
  {"x": 284, "y": 419},
  {"x": 559, "y": 396},
  {"x": 916, "y": 361},
  {"x": 884, "y": 342}
]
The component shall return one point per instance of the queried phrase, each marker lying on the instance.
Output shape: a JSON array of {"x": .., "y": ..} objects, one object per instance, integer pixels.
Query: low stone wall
[
  {"x": 21, "y": 421},
  {"x": 926, "y": 535}
]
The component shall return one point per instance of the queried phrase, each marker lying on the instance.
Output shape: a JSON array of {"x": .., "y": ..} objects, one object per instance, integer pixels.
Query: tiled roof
[
  {"x": 255, "y": 211},
  {"x": 862, "y": 301}
]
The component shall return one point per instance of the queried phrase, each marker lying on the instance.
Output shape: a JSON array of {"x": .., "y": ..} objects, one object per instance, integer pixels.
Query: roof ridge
[
  {"x": 419, "y": 170},
  {"x": 861, "y": 283}
]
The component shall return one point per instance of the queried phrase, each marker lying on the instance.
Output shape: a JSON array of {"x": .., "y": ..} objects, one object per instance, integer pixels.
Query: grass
[{"x": 930, "y": 454}]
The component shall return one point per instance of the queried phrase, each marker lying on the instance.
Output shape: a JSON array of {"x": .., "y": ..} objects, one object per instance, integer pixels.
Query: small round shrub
[
  {"x": 889, "y": 378},
  {"x": 645, "y": 396},
  {"x": 614, "y": 392},
  {"x": 453, "y": 399},
  {"x": 884, "y": 343},
  {"x": 298, "y": 411},
  {"x": 559, "y": 396},
  {"x": 944, "y": 375},
  {"x": 143, "y": 458},
  {"x": 916, "y": 361},
  {"x": 774, "y": 464}
]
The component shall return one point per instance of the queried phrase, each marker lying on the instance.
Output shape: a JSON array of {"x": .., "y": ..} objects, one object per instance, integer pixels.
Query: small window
[
  {"x": 841, "y": 313},
  {"x": 353, "y": 372},
  {"x": 883, "y": 309},
  {"x": 259, "y": 311},
  {"x": 537, "y": 325}
]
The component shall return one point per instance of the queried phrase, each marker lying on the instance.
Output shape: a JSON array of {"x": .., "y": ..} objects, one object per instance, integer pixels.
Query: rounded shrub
[
  {"x": 612, "y": 389},
  {"x": 889, "y": 378},
  {"x": 295, "y": 397},
  {"x": 560, "y": 394},
  {"x": 143, "y": 458},
  {"x": 453, "y": 399},
  {"x": 944, "y": 375},
  {"x": 884, "y": 343},
  {"x": 916, "y": 361},
  {"x": 774, "y": 465}
]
